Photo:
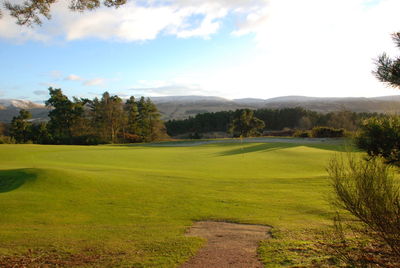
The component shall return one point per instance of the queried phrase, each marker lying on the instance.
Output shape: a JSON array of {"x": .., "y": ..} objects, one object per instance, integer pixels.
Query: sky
[{"x": 227, "y": 48}]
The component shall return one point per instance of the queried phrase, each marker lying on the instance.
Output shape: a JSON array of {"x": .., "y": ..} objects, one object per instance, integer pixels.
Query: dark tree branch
[
  {"x": 30, "y": 12},
  {"x": 388, "y": 69}
]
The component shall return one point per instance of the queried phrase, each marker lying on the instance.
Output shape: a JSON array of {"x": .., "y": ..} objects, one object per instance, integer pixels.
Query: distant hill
[
  {"x": 180, "y": 107},
  {"x": 190, "y": 106},
  {"x": 11, "y": 107}
]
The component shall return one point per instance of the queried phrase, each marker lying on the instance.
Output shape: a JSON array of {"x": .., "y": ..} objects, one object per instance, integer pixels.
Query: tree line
[
  {"x": 91, "y": 121},
  {"x": 273, "y": 119}
]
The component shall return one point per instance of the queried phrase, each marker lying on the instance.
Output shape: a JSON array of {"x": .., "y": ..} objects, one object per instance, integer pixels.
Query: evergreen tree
[
  {"x": 245, "y": 124},
  {"x": 108, "y": 116},
  {"x": 20, "y": 127},
  {"x": 64, "y": 115},
  {"x": 40, "y": 133},
  {"x": 150, "y": 126},
  {"x": 132, "y": 111},
  {"x": 388, "y": 69},
  {"x": 156, "y": 126},
  {"x": 143, "y": 122}
]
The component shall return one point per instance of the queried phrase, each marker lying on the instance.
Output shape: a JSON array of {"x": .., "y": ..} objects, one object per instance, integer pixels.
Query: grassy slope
[{"x": 133, "y": 203}]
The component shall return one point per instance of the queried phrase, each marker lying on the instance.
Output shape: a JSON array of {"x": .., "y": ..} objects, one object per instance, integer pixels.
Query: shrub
[
  {"x": 195, "y": 136},
  {"x": 286, "y": 132},
  {"x": 381, "y": 137},
  {"x": 367, "y": 190},
  {"x": 301, "y": 134},
  {"x": 327, "y": 132},
  {"x": 87, "y": 140},
  {"x": 6, "y": 140},
  {"x": 132, "y": 138}
]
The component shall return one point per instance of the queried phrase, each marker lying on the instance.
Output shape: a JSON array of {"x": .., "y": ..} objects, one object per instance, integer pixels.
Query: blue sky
[{"x": 232, "y": 49}]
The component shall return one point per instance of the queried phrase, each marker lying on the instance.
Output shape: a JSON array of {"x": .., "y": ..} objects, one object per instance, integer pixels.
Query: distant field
[{"x": 130, "y": 205}]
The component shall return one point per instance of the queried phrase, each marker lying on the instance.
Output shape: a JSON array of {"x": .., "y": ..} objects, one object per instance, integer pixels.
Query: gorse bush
[
  {"x": 367, "y": 189},
  {"x": 301, "y": 134},
  {"x": 327, "y": 132},
  {"x": 6, "y": 140},
  {"x": 381, "y": 137}
]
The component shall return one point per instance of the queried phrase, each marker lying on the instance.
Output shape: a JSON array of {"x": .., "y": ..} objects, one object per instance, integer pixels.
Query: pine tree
[
  {"x": 245, "y": 124},
  {"x": 108, "y": 116},
  {"x": 20, "y": 127},
  {"x": 64, "y": 115},
  {"x": 132, "y": 111},
  {"x": 388, "y": 69}
]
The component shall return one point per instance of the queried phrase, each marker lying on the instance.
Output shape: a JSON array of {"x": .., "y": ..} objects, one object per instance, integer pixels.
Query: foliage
[
  {"x": 327, "y": 132},
  {"x": 301, "y": 134},
  {"x": 31, "y": 11},
  {"x": 367, "y": 190},
  {"x": 89, "y": 122},
  {"x": 132, "y": 111},
  {"x": 65, "y": 116},
  {"x": 245, "y": 124},
  {"x": 40, "y": 134},
  {"x": 381, "y": 137},
  {"x": 6, "y": 140},
  {"x": 388, "y": 69},
  {"x": 274, "y": 120},
  {"x": 343, "y": 119},
  {"x": 20, "y": 128},
  {"x": 105, "y": 120},
  {"x": 3, "y": 129},
  {"x": 107, "y": 116}
]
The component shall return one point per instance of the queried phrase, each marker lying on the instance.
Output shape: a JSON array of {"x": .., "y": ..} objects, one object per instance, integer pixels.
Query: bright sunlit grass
[{"x": 133, "y": 203}]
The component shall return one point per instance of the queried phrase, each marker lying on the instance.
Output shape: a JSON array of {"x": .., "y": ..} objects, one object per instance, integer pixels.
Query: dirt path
[{"x": 228, "y": 245}]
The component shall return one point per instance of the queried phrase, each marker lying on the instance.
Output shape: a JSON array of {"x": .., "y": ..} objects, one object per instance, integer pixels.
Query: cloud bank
[
  {"x": 135, "y": 21},
  {"x": 307, "y": 47}
]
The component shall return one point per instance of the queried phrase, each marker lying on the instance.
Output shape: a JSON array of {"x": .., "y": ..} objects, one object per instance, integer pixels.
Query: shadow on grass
[
  {"x": 267, "y": 147},
  {"x": 257, "y": 148},
  {"x": 13, "y": 179}
]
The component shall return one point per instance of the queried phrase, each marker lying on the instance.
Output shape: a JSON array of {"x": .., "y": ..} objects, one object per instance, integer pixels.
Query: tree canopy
[
  {"x": 387, "y": 68},
  {"x": 245, "y": 124},
  {"x": 31, "y": 12},
  {"x": 83, "y": 121},
  {"x": 380, "y": 137}
]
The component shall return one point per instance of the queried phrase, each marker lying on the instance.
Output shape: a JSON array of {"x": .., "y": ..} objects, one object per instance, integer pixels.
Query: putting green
[{"x": 131, "y": 205}]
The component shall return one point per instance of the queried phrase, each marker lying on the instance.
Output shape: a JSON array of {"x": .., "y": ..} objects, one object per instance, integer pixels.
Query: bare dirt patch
[{"x": 228, "y": 244}]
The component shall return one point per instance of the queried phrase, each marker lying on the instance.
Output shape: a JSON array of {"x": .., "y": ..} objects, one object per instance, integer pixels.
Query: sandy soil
[{"x": 228, "y": 245}]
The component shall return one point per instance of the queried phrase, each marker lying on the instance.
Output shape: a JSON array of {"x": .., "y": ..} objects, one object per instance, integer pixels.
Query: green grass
[{"x": 132, "y": 204}]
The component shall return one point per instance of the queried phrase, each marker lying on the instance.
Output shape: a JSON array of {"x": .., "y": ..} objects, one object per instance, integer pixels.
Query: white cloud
[
  {"x": 138, "y": 23},
  {"x": 314, "y": 47},
  {"x": 132, "y": 22},
  {"x": 73, "y": 77},
  {"x": 9, "y": 30},
  {"x": 94, "y": 82},
  {"x": 307, "y": 47},
  {"x": 98, "y": 81}
]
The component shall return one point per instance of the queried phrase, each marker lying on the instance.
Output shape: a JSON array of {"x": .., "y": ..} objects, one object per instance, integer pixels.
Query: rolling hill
[{"x": 180, "y": 107}]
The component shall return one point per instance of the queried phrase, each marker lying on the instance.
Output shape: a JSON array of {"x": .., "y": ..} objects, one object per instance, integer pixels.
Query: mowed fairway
[{"x": 130, "y": 205}]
